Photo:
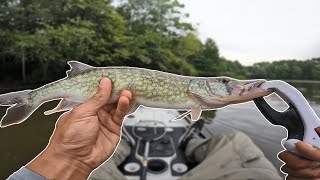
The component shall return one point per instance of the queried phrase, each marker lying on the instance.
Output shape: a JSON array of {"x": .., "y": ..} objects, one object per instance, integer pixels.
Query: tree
[
  {"x": 206, "y": 59},
  {"x": 54, "y": 32},
  {"x": 154, "y": 27},
  {"x": 162, "y": 16}
]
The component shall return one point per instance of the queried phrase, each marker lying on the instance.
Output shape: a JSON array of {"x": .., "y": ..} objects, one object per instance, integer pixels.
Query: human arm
[
  {"x": 84, "y": 138},
  {"x": 307, "y": 167}
]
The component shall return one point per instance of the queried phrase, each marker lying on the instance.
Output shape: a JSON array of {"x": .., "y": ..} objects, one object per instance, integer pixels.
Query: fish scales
[
  {"x": 158, "y": 87},
  {"x": 150, "y": 88}
]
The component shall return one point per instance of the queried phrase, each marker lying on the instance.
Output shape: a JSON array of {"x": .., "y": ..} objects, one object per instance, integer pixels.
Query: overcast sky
[{"x": 259, "y": 30}]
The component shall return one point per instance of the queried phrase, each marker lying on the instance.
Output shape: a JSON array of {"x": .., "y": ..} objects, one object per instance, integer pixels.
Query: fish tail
[{"x": 20, "y": 108}]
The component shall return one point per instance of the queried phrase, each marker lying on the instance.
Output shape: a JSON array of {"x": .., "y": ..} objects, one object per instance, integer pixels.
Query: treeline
[
  {"x": 286, "y": 69},
  {"x": 38, "y": 37}
]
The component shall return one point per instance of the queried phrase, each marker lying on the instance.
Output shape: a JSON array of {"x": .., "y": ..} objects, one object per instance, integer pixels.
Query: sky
[{"x": 259, "y": 30}]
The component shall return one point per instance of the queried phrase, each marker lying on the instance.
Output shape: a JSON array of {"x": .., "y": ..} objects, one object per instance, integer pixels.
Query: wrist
[{"x": 51, "y": 165}]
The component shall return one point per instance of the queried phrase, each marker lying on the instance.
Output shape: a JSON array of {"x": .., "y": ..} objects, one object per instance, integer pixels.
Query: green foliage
[
  {"x": 287, "y": 69},
  {"x": 187, "y": 46},
  {"x": 37, "y": 37},
  {"x": 52, "y": 32},
  {"x": 206, "y": 59},
  {"x": 162, "y": 16},
  {"x": 155, "y": 29}
]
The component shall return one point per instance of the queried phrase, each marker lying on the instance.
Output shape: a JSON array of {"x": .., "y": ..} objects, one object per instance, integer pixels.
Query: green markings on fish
[{"x": 150, "y": 88}]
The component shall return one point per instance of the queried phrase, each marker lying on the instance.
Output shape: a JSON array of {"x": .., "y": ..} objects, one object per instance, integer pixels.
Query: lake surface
[{"x": 21, "y": 143}]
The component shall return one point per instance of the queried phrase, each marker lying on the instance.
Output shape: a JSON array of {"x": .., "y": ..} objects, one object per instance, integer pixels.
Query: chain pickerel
[{"x": 150, "y": 88}]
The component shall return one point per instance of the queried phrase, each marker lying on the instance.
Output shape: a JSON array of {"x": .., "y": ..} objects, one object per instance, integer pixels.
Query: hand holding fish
[
  {"x": 302, "y": 168},
  {"x": 84, "y": 137}
]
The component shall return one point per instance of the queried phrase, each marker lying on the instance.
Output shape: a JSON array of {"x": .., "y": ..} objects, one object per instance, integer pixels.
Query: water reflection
[{"x": 309, "y": 89}]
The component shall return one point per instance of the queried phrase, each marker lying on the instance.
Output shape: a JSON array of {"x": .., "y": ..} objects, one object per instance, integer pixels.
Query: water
[{"x": 21, "y": 143}]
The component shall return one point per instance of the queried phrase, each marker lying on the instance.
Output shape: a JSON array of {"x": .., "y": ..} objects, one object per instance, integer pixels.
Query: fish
[{"x": 150, "y": 88}]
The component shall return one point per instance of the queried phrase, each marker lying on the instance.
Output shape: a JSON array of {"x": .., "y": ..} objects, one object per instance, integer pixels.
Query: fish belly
[{"x": 166, "y": 105}]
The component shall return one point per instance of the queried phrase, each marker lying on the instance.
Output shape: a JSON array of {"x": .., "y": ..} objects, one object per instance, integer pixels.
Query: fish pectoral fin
[
  {"x": 196, "y": 113},
  {"x": 64, "y": 105},
  {"x": 201, "y": 93},
  {"x": 198, "y": 89}
]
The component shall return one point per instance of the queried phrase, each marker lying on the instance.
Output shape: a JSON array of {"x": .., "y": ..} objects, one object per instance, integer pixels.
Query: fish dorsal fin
[{"x": 77, "y": 67}]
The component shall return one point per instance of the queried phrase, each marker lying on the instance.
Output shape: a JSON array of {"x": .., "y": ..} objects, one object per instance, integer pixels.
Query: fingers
[
  {"x": 99, "y": 99},
  {"x": 107, "y": 123},
  {"x": 307, "y": 167},
  {"x": 111, "y": 107},
  {"x": 308, "y": 151},
  {"x": 127, "y": 94},
  {"x": 296, "y": 162},
  {"x": 289, "y": 177},
  {"x": 308, "y": 173},
  {"x": 122, "y": 109},
  {"x": 113, "y": 114},
  {"x": 112, "y": 122}
]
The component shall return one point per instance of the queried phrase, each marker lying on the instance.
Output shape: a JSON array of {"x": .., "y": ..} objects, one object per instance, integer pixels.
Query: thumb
[{"x": 99, "y": 99}]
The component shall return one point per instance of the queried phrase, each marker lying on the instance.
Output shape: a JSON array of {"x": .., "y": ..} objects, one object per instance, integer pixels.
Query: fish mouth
[
  {"x": 253, "y": 85},
  {"x": 246, "y": 91}
]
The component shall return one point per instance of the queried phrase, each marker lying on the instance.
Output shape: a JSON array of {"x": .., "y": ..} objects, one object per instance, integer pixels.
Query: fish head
[{"x": 230, "y": 91}]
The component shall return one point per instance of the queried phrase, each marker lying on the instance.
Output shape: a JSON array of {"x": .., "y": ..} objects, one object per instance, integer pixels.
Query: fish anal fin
[
  {"x": 196, "y": 113},
  {"x": 64, "y": 105},
  {"x": 77, "y": 67}
]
